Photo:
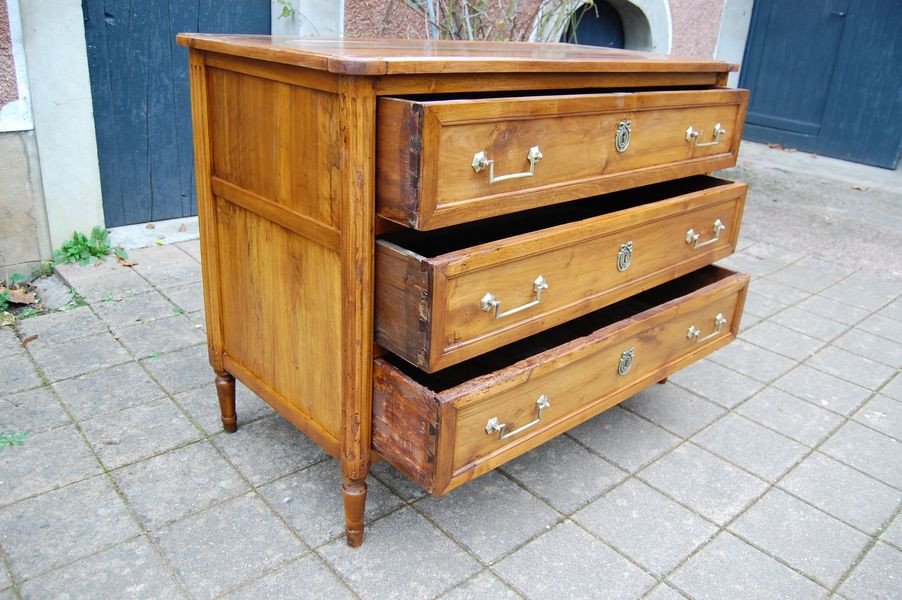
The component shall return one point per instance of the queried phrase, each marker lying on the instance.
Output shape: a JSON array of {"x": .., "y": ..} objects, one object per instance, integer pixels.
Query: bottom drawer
[{"x": 445, "y": 428}]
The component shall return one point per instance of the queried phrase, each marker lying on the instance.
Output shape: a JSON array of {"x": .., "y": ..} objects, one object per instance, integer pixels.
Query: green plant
[
  {"x": 288, "y": 9},
  {"x": 45, "y": 270},
  {"x": 27, "y": 312},
  {"x": 15, "y": 278},
  {"x": 4, "y": 300},
  {"x": 12, "y": 439},
  {"x": 81, "y": 248}
]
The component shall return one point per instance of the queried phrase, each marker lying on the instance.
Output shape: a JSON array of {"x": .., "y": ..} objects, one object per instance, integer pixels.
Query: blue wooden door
[
  {"x": 139, "y": 86},
  {"x": 826, "y": 77}
]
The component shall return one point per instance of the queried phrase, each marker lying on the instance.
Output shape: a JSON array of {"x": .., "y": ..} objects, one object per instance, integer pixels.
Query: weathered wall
[
  {"x": 8, "y": 86},
  {"x": 695, "y": 27}
]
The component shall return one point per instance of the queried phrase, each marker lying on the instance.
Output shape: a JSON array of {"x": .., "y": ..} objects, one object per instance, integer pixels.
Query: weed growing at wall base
[{"x": 82, "y": 249}]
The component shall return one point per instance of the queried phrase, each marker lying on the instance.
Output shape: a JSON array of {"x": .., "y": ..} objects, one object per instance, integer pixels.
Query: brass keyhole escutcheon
[{"x": 622, "y": 139}]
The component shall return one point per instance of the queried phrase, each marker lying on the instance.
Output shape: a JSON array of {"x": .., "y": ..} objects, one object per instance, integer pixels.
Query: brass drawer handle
[
  {"x": 481, "y": 161},
  {"x": 695, "y": 333},
  {"x": 694, "y": 238},
  {"x": 489, "y": 301},
  {"x": 493, "y": 425},
  {"x": 692, "y": 136}
]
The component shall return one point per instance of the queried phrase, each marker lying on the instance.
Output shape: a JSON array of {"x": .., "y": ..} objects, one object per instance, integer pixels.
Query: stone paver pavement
[{"x": 771, "y": 469}]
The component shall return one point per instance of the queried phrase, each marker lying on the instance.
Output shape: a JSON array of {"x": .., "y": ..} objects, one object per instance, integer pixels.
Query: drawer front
[
  {"x": 448, "y": 162},
  {"x": 479, "y": 424},
  {"x": 486, "y": 296}
]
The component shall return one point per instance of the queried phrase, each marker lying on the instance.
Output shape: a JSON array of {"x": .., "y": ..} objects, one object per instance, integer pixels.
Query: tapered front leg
[
  {"x": 354, "y": 493},
  {"x": 225, "y": 389}
]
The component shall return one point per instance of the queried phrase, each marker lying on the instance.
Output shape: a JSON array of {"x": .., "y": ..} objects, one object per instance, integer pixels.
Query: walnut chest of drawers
[{"x": 444, "y": 254}]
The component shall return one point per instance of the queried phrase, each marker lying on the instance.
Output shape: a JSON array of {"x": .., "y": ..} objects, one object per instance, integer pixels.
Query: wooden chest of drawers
[{"x": 444, "y": 254}]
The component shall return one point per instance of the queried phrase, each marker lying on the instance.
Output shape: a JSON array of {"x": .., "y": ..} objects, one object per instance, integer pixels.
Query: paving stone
[
  {"x": 843, "y": 492},
  {"x": 747, "y": 321},
  {"x": 161, "y": 335},
  {"x": 753, "y": 361},
  {"x": 872, "y": 347},
  {"x": 44, "y": 461},
  {"x": 7, "y": 595},
  {"x": 674, "y": 409},
  {"x": 664, "y": 592},
  {"x": 51, "y": 529},
  {"x": 129, "y": 570},
  {"x": 138, "y": 432},
  {"x": 310, "y": 501},
  {"x": 770, "y": 288},
  {"x": 804, "y": 537},
  {"x": 268, "y": 449},
  {"x": 100, "y": 280},
  {"x": 655, "y": 531},
  {"x": 564, "y": 474},
  {"x": 123, "y": 311},
  {"x": 75, "y": 357},
  {"x": 809, "y": 323},
  {"x": 869, "y": 294},
  {"x": 890, "y": 329},
  {"x": 883, "y": 414},
  {"x": 832, "y": 309},
  {"x": 878, "y": 576},
  {"x": 203, "y": 405},
  {"x": 730, "y": 568},
  {"x": 155, "y": 257},
  {"x": 5, "y": 577},
  {"x": 33, "y": 411},
  {"x": 893, "y": 389},
  {"x": 718, "y": 384},
  {"x": 763, "y": 306},
  {"x": 62, "y": 326},
  {"x": 625, "y": 439},
  {"x": 867, "y": 450},
  {"x": 398, "y": 482},
  {"x": 486, "y": 515},
  {"x": 108, "y": 390},
  {"x": 705, "y": 483},
  {"x": 810, "y": 274},
  {"x": 794, "y": 418},
  {"x": 9, "y": 343},
  {"x": 484, "y": 585},
  {"x": 171, "y": 274},
  {"x": 851, "y": 367},
  {"x": 781, "y": 340},
  {"x": 893, "y": 533},
  {"x": 823, "y": 389},
  {"x": 17, "y": 374},
  {"x": 220, "y": 548},
  {"x": 190, "y": 298},
  {"x": 191, "y": 248},
  {"x": 181, "y": 370},
  {"x": 304, "y": 579},
  {"x": 184, "y": 481},
  {"x": 398, "y": 559},
  {"x": 567, "y": 562},
  {"x": 762, "y": 259}
]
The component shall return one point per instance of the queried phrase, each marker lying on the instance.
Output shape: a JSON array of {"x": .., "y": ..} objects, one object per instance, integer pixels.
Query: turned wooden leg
[
  {"x": 225, "y": 389},
  {"x": 354, "y": 493}
]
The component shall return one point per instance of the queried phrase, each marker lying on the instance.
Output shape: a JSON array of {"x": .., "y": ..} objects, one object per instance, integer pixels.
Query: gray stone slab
[
  {"x": 763, "y": 306},
  {"x": 781, "y": 340},
  {"x": 161, "y": 335},
  {"x": 673, "y": 408},
  {"x": 851, "y": 367},
  {"x": 45, "y": 461},
  {"x": 5, "y": 577},
  {"x": 51, "y": 529},
  {"x": 809, "y": 323},
  {"x": 202, "y": 404},
  {"x": 33, "y": 411},
  {"x": 810, "y": 274},
  {"x": 396, "y": 481},
  {"x": 893, "y": 310},
  {"x": 191, "y": 248},
  {"x": 796, "y": 419},
  {"x": 130, "y": 570},
  {"x": 218, "y": 549},
  {"x": 871, "y": 346},
  {"x": 804, "y": 537},
  {"x": 843, "y": 492},
  {"x": 874, "y": 453},
  {"x": 138, "y": 432},
  {"x": 664, "y": 592},
  {"x": 883, "y": 414},
  {"x": 108, "y": 390},
  {"x": 770, "y": 288},
  {"x": 484, "y": 585},
  {"x": 100, "y": 280},
  {"x": 9, "y": 342},
  {"x": 189, "y": 298},
  {"x": 753, "y": 361},
  {"x": 171, "y": 273},
  {"x": 68, "y": 359},
  {"x": 310, "y": 501},
  {"x": 624, "y": 439},
  {"x": 123, "y": 311},
  {"x": 893, "y": 533},
  {"x": 18, "y": 373},
  {"x": 181, "y": 482},
  {"x": 763, "y": 452},
  {"x": 304, "y": 579},
  {"x": 181, "y": 370},
  {"x": 567, "y": 562},
  {"x": 716, "y": 383},
  {"x": 893, "y": 389},
  {"x": 487, "y": 515},
  {"x": 730, "y": 568},
  {"x": 878, "y": 576},
  {"x": 832, "y": 309},
  {"x": 564, "y": 474},
  {"x": 650, "y": 528},
  {"x": 268, "y": 449},
  {"x": 869, "y": 295},
  {"x": 399, "y": 558},
  {"x": 747, "y": 321},
  {"x": 703, "y": 482},
  {"x": 62, "y": 326},
  {"x": 763, "y": 258},
  {"x": 890, "y": 329},
  {"x": 823, "y": 389}
]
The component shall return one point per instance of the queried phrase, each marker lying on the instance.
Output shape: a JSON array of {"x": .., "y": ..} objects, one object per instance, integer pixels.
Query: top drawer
[{"x": 445, "y": 162}]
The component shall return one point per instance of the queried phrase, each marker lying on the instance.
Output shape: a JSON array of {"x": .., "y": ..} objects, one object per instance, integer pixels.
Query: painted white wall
[
  {"x": 16, "y": 115},
  {"x": 734, "y": 31},
  {"x": 311, "y": 18},
  {"x": 57, "y": 59}
]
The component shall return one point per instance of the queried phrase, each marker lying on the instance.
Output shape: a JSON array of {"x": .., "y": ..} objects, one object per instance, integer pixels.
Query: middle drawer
[{"x": 449, "y": 295}]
